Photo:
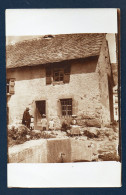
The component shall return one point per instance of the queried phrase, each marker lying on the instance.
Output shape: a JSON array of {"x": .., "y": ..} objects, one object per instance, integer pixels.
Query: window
[
  {"x": 58, "y": 75},
  {"x": 116, "y": 99},
  {"x": 66, "y": 107},
  {"x": 10, "y": 86}
]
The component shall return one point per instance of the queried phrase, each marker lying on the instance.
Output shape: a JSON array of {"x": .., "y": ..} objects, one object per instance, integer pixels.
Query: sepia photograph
[{"x": 63, "y": 98}]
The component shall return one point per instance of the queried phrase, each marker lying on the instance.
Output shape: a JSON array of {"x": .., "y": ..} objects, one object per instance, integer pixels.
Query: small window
[
  {"x": 116, "y": 111},
  {"x": 10, "y": 89},
  {"x": 58, "y": 75},
  {"x": 116, "y": 99},
  {"x": 66, "y": 106}
]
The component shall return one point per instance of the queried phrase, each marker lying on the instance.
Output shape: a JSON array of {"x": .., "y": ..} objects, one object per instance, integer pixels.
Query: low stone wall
[
  {"x": 34, "y": 151},
  {"x": 56, "y": 150},
  {"x": 80, "y": 151}
]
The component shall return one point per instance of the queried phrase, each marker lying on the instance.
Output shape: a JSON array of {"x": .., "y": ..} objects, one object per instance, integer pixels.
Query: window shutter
[
  {"x": 59, "y": 108},
  {"x": 67, "y": 73},
  {"x": 74, "y": 107},
  {"x": 48, "y": 75},
  {"x": 11, "y": 86}
]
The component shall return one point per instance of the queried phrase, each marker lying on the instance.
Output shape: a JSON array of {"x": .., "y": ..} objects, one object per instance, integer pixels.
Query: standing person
[
  {"x": 44, "y": 122},
  {"x": 26, "y": 118},
  {"x": 51, "y": 124}
]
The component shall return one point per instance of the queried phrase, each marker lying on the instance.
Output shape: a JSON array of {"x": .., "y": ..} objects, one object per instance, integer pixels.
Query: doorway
[{"x": 39, "y": 111}]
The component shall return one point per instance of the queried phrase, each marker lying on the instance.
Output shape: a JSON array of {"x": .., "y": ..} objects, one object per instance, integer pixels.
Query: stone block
[
  {"x": 93, "y": 123},
  {"x": 36, "y": 131},
  {"x": 81, "y": 122},
  {"x": 58, "y": 150},
  {"x": 80, "y": 151},
  {"x": 92, "y": 133}
]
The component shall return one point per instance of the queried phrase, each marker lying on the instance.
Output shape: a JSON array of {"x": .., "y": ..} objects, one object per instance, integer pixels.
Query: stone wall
[
  {"x": 57, "y": 150},
  {"x": 30, "y": 86},
  {"x": 62, "y": 150},
  {"x": 105, "y": 84},
  {"x": 34, "y": 151}
]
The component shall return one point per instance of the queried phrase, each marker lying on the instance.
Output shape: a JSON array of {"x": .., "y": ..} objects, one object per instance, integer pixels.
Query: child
[
  {"x": 44, "y": 122},
  {"x": 51, "y": 124}
]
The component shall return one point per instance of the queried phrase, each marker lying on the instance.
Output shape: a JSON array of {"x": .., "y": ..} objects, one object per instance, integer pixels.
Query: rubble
[
  {"x": 102, "y": 141},
  {"x": 93, "y": 123}
]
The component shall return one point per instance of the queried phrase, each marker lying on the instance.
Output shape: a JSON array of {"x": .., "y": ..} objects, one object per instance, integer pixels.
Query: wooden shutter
[
  {"x": 11, "y": 86},
  {"x": 74, "y": 107},
  {"x": 59, "y": 108},
  {"x": 67, "y": 73},
  {"x": 48, "y": 75}
]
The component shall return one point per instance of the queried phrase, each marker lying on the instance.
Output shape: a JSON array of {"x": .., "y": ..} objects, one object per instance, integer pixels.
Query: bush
[
  {"x": 91, "y": 134},
  {"x": 65, "y": 125},
  {"x": 22, "y": 134},
  {"x": 17, "y": 135}
]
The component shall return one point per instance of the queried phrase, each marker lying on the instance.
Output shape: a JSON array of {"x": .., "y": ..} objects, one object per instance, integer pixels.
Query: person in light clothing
[
  {"x": 44, "y": 122},
  {"x": 51, "y": 124}
]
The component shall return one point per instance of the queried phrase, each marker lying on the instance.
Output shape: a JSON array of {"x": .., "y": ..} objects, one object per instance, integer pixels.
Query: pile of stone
[
  {"x": 108, "y": 151},
  {"x": 88, "y": 121}
]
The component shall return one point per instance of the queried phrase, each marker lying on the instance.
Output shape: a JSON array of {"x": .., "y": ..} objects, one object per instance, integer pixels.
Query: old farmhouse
[{"x": 60, "y": 76}]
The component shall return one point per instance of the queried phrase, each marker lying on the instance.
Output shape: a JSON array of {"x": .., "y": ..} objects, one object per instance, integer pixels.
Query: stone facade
[{"x": 89, "y": 87}]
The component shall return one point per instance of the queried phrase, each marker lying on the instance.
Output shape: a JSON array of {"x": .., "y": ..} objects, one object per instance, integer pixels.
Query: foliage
[{"x": 22, "y": 134}]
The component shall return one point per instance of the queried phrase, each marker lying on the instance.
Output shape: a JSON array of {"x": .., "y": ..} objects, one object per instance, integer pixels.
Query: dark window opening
[
  {"x": 66, "y": 107},
  {"x": 58, "y": 75},
  {"x": 10, "y": 86},
  {"x": 41, "y": 108},
  {"x": 40, "y": 112},
  {"x": 116, "y": 99},
  {"x": 7, "y": 85}
]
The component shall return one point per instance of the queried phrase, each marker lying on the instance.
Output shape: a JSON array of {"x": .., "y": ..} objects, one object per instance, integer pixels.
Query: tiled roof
[{"x": 51, "y": 49}]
